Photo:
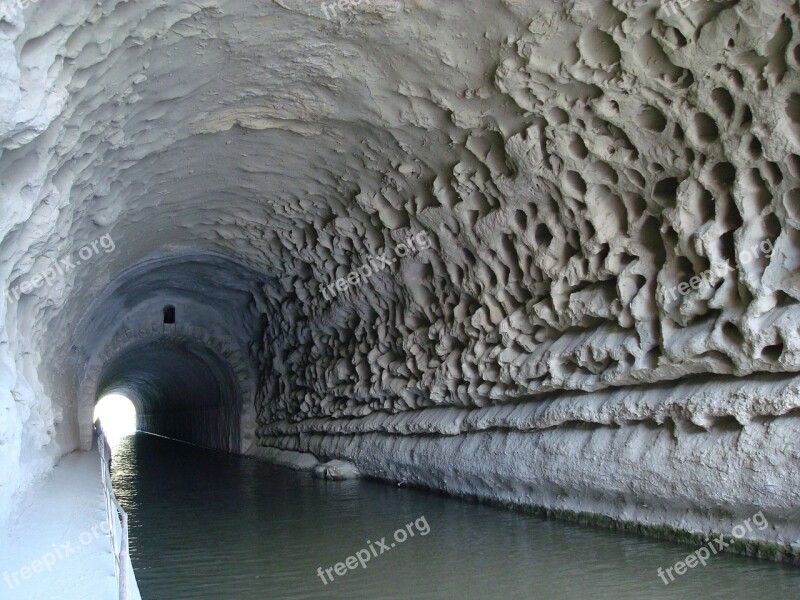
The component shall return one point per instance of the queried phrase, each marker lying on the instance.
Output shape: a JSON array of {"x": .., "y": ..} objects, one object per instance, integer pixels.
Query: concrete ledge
[{"x": 59, "y": 544}]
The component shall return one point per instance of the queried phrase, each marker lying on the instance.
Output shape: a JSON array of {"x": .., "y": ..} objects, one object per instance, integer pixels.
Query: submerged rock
[
  {"x": 297, "y": 461},
  {"x": 336, "y": 470}
]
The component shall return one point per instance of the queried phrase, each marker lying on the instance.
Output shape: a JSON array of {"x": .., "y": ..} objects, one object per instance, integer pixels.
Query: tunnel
[
  {"x": 540, "y": 255},
  {"x": 182, "y": 390}
]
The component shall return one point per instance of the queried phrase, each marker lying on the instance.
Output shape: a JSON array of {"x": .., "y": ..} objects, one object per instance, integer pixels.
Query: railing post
[
  {"x": 121, "y": 556},
  {"x": 124, "y": 588}
]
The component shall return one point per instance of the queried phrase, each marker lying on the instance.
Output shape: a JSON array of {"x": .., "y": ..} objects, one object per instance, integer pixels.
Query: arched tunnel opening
[
  {"x": 376, "y": 274},
  {"x": 117, "y": 415},
  {"x": 182, "y": 390}
]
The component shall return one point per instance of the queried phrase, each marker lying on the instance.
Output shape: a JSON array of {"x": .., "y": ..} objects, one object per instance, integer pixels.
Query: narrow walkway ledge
[{"x": 58, "y": 544}]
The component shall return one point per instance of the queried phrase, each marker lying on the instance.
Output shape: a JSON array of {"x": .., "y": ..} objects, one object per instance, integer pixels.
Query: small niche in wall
[{"x": 169, "y": 315}]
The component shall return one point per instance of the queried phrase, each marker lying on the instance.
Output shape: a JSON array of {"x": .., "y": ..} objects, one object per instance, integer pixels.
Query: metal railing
[{"x": 119, "y": 550}]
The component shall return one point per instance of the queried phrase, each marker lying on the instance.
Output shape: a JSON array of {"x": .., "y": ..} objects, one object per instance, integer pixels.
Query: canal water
[{"x": 208, "y": 525}]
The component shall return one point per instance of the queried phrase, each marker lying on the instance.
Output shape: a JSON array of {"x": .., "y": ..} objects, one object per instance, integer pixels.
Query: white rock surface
[
  {"x": 573, "y": 164},
  {"x": 297, "y": 461},
  {"x": 336, "y": 470},
  {"x": 637, "y": 474}
]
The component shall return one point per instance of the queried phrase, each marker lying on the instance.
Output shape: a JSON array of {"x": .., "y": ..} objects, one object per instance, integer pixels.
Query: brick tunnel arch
[{"x": 181, "y": 388}]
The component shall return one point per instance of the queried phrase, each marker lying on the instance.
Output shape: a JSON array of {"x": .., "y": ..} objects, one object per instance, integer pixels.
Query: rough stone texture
[
  {"x": 572, "y": 163},
  {"x": 297, "y": 461},
  {"x": 337, "y": 470},
  {"x": 657, "y": 477}
]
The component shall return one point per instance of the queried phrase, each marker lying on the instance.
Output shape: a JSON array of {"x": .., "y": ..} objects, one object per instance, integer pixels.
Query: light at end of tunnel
[{"x": 117, "y": 415}]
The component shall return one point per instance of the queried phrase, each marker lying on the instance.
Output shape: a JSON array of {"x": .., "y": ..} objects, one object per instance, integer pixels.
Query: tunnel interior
[
  {"x": 182, "y": 390},
  {"x": 542, "y": 253}
]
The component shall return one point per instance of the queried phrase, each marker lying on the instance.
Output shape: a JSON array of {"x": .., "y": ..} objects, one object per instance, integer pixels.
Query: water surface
[{"x": 208, "y": 525}]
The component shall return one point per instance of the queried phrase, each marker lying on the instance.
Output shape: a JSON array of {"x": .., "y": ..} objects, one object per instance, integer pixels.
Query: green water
[{"x": 206, "y": 525}]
